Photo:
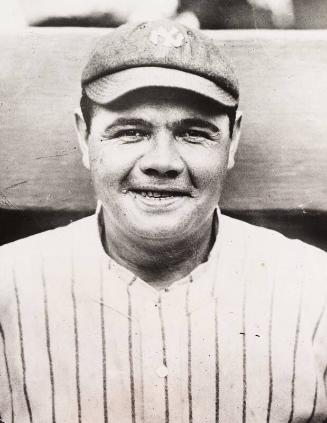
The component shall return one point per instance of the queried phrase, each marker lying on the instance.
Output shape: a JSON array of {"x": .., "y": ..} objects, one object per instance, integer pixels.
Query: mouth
[
  {"x": 159, "y": 194},
  {"x": 158, "y": 200}
]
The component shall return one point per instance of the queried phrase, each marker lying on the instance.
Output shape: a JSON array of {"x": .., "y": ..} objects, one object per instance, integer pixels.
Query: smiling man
[
  {"x": 158, "y": 308},
  {"x": 158, "y": 159}
]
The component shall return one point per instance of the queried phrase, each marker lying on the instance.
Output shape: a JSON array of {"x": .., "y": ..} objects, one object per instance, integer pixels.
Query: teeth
[{"x": 155, "y": 194}]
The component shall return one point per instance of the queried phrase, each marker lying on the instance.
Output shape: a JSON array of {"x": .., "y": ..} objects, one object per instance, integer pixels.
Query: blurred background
[{"x": 206, "y": 14}]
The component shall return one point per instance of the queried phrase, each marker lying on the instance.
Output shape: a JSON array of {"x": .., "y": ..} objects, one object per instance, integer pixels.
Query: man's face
[{"x": 158, "y": 159}]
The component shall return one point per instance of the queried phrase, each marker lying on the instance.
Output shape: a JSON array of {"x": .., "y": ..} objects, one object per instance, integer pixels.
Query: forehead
[{"x": 161, "y": 103}]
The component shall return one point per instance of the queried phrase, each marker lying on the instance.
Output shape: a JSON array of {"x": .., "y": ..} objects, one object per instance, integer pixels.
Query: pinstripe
[
  {"x": 22, "y": 352},
  {"x": 142, "y": 377},
  {"x": 270, "y": 364},
  {"x": 164, "y": 358},
  {"x": 2, "y": 334},
  {"x": 47, "y": 331},
  {"x": 317, "y": 325},
  {"x": 76, "y": 340},
  {"x": 217, "y": 362},
  {"x": 296, "y": 341},
  {"x": 130, "y": 350},
  {"x": 325, "y": 374},
  {"x": 104, "y": 353},
  {"x": 318, "y": 322},
  {"x": 189, "y": 351},
  {"x": 214, "y": 281},
  {"x": 314, "y": 403},
  {"x": 244, "y": 354}
]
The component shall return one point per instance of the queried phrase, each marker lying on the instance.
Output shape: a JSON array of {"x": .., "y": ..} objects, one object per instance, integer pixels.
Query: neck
[{"x": 158, "y": 262}]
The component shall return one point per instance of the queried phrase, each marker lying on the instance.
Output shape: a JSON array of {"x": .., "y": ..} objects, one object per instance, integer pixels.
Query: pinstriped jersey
[{"x": 243, "y": 338}]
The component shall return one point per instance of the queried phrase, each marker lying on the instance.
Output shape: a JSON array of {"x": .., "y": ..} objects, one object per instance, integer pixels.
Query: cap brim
[{"x": 108, "y": 88}]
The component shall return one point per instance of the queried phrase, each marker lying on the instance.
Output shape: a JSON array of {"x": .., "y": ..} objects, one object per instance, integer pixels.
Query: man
[{"x": 158, "y": 308}]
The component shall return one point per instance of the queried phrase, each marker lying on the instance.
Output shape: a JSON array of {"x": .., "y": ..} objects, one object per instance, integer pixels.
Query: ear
[
  {"x": 82, "y": 136},
  {"x": 235, "y": 140}
]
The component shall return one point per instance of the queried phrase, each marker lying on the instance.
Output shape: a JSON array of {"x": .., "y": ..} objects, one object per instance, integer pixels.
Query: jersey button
[{"x": 162, "y": 371}]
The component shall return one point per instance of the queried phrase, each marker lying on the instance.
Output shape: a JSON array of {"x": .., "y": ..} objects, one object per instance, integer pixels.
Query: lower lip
[{"x": 158, "y": 202}]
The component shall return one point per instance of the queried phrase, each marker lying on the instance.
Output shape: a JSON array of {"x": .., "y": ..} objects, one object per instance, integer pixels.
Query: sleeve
[
  {"x": 6, "y": 392},
  {"x": 317, "y": 292}
]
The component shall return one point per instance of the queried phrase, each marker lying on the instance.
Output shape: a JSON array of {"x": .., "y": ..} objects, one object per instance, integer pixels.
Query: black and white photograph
[{"x": 163, "y": 211}]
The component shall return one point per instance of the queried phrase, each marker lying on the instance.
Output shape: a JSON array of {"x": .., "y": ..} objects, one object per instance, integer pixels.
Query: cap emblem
[{"x": 171, "y": 38}]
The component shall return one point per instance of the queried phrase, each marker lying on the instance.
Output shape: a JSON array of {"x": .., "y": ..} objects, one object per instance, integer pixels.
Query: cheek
[
  {"x": 109, "y": 164},
  {"x": 209, "y": 169}
]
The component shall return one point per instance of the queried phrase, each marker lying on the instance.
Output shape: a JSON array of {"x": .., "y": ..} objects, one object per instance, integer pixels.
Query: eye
[
  {"x": 131, "y": 134},
  {"x": 193, "y": 135}
]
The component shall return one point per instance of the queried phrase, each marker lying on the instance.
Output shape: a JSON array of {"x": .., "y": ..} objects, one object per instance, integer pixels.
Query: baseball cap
[{"x": 158, "y": 54}]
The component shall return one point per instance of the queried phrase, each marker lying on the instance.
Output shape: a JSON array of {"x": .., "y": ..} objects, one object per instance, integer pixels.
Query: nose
[{"x": 162, "y": 158}]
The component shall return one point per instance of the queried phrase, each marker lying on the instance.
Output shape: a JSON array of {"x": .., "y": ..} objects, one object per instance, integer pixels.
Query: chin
[{"x": 160, "y": 233}]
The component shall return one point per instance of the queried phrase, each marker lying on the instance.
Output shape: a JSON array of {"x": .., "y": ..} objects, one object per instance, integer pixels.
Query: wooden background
[{"x": 280, "y": 179}]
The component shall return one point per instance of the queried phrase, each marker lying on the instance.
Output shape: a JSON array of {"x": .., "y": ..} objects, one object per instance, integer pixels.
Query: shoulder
[
  {"x": 48, "y": 257},
  {"x": 290, "y": 268},
  {"x": 271, "y": 246},
  {"x": 52, "y": 241},
  {"x": 253, "y": 233},
  {"x": 26, "y": 255}
]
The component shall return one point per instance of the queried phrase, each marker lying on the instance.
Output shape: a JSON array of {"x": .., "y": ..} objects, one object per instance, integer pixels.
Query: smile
[
  {"x": 150, "y": 198},
  {"x": 159, "y": 195},
  {"x": 159, "y": 192}
]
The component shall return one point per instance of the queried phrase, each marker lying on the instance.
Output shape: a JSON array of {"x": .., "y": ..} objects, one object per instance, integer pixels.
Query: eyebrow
[{"x": 128, "y": 122}]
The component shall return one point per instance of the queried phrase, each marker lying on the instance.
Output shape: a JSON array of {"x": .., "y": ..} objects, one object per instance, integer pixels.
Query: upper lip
[{"x": 163, "y": 189}]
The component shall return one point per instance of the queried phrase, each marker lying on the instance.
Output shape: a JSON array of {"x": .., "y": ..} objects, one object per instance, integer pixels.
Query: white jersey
[{"x": 243, "y": 338}]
